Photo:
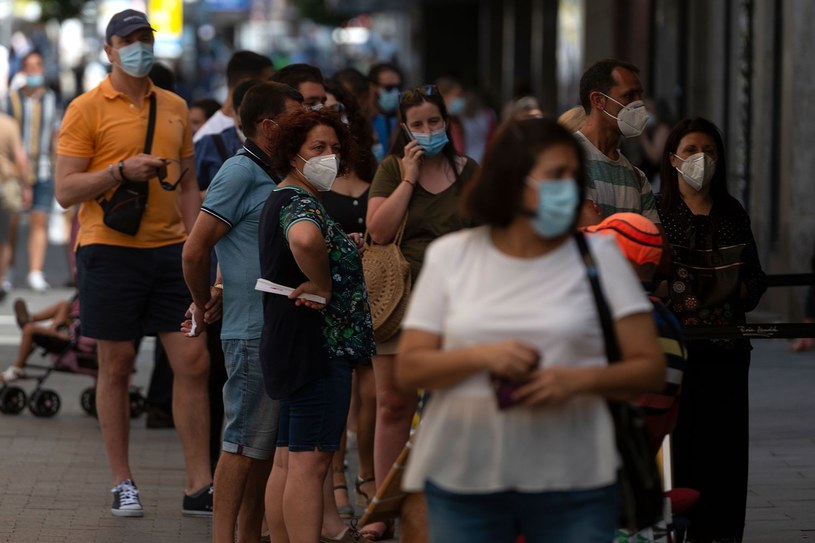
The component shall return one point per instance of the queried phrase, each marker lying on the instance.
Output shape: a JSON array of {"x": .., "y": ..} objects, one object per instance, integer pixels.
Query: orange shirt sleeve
[{"x": 75, "y": 135}]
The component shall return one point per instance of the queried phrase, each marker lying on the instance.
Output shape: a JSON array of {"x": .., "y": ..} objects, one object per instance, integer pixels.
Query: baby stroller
[{"x": 76, "y": 355}]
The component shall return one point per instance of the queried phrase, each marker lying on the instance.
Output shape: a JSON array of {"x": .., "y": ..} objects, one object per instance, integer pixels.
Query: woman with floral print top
[
  {"x": 309, "y": 348},
  {"x": 711, "y": 438}
]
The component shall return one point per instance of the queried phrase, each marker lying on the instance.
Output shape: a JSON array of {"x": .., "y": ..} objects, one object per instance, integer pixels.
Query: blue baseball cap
[{"x": 125, "y": 23}]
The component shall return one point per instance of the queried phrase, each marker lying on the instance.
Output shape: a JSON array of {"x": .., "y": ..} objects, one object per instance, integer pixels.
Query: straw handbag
[{"x": 387, "y": 276}]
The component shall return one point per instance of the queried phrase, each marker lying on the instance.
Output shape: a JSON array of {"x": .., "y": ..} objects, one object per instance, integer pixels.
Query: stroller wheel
[
  {"x": 137, "y": 403},
  {"x": 12, "y": 400},
  {"x": 44, "y": 403},
  {"x": 88, "y": 401}
]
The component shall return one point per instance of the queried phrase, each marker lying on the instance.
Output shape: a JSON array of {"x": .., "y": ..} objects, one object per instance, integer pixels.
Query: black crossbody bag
[
  {"x": 125, "y": 208},
  {"x": 638, "y": 476}
]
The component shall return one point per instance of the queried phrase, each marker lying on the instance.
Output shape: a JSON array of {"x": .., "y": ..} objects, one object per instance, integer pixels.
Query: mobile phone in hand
[
  {"x": 408, "y": 133},
  {"x": 503, "y": 389}
]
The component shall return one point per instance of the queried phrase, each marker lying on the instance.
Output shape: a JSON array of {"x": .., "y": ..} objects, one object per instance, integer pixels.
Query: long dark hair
[
  {"x": 365, "y": 165},
  {"x": 669, "y": 177},
  {"x": 416, "y": 97}
]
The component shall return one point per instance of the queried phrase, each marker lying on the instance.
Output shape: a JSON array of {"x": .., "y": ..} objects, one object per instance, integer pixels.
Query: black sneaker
[
  {"x": 199, "y": 504},
  {"x": 126, "y": 500}
]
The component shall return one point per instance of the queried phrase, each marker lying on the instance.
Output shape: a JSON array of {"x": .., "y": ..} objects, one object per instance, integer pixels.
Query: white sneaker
[
  {"x": 8, "y": 281},
  {"x": 36, "y": 280},
  {"x": 126, "y": 500}
]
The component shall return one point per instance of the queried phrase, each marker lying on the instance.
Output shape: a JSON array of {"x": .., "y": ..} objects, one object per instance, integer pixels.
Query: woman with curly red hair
[{"x": 313, "y": 338}]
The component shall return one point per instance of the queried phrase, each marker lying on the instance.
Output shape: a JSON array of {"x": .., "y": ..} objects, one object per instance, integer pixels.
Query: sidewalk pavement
[{"x": 55, "y": 482}]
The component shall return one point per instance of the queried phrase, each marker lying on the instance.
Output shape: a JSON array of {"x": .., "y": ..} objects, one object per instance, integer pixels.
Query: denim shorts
[
  {"x": 314, "y": 416},
  {"x": 250, "y": 414},
  {"x": 42, "y": 195},
  {"x": 574, "y": 516},
  {"x": 128, "y": 292}
]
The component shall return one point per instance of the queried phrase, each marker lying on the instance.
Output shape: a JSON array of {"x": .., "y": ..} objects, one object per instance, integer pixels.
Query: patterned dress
[
  {"x": 710, "y": 442},
  {"x": 299, "y": 343}
]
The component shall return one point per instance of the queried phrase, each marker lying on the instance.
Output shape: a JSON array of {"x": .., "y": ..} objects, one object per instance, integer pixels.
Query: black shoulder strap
[
  {"x": 151, "y": 125},
  {"x": 219, "y": 144},
  {"x": 609, "y": 336}
]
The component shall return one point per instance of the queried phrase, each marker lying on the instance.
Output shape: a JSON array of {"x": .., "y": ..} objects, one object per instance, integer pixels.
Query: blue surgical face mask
[
  {"x": 456, "y": 106},
  {"x": 432, "y": 143},
  {"x": 378, "y": 151},
  {"x": 136, "y": 59},
  {"x": 557, "y": 207},
  {"x": 388, "y": 100},
  {"x": 34, "y": 80}
]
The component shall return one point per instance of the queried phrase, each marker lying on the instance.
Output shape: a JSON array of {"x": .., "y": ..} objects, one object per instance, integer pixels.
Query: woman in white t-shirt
[{"x": 511, "y": 301}]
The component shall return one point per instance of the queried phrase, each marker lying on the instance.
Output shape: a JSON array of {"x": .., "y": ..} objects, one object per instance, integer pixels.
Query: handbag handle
[{"x": 609, "y": 336}]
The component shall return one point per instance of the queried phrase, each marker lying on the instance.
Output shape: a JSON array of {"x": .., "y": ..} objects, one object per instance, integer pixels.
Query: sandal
[
  {"x": 345, "y": 511},
  {"x": 350, "y": 535},
  {"x": 363, "y": 498},
  {"x": 371, "y": 534}
]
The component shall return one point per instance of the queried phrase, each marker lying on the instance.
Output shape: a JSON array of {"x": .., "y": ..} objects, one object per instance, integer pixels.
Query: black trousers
[{"x": 710, "y": 443}]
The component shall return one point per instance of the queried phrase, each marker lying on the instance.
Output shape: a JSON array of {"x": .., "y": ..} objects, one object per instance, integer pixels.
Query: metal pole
[{"x": 508, "y": 51}]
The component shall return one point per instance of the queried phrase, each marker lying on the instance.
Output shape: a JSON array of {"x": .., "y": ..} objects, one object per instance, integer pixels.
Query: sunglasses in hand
[{"x": 162, "y": 175}]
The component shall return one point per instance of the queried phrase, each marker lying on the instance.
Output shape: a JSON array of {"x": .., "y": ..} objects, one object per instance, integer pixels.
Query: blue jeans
[
  {"x": 251, "y": 415},
  {"x": 576, "y": 516}
]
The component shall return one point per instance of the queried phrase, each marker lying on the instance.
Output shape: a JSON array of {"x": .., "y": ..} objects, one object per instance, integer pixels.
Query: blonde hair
[{"x": 573, "y": 119}]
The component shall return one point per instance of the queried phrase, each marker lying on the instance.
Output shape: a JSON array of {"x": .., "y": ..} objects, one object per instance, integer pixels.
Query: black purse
[
  {"x": 638, "y": 476},
  {"x": 123, "y": 211}
]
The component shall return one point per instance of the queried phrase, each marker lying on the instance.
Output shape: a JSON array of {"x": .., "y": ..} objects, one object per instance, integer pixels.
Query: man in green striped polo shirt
[{"x": 611, "y": 95}]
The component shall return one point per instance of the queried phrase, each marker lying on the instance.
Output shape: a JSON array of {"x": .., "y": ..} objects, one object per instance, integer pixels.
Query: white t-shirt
[
  {"x": 470, "y": 293},
  {"x": 214, "y": 125}
]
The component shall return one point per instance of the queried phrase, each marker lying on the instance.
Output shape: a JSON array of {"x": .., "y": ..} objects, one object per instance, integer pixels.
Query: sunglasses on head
[{"x": 415, "y": 92}]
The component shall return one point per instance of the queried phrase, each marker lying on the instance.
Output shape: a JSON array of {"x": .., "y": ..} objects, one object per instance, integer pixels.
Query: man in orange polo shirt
[{"x": 131, "y": 285}]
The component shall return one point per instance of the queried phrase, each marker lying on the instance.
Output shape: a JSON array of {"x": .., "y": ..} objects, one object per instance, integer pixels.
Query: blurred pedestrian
[
  {"x": 385, "y": 81},
  {"x": 504, "y": 331},
  {"x": 242, "y": 65},
  {"x": 200, "y": 112},
  {"x": 572, "y": 119},
  {"x": 35, "y": 108},
  {"x": 15, "y": 191},
  {"x": 307, "y": 80}
]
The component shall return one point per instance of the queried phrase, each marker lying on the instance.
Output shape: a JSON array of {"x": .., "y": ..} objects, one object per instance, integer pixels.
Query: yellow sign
[{"x": 167, "y": 17}]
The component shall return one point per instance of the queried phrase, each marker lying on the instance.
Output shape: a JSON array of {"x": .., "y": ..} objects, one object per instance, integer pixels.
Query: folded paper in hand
[
  {"x": 193, "y": 326},
  {"x": 265, "y": 285}
]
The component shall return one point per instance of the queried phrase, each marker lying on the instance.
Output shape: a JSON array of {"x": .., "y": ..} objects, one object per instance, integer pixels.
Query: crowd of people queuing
[{"x": 280, "y": 186}]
